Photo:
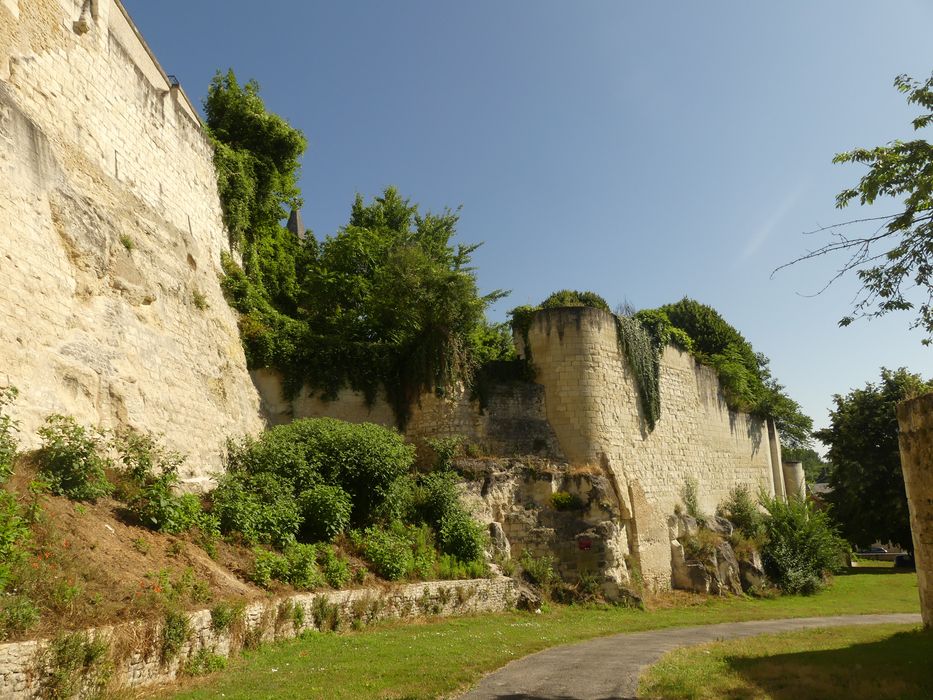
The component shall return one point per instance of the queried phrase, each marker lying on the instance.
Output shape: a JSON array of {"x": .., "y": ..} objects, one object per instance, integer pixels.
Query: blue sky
[{"x": 645, "y": 151}]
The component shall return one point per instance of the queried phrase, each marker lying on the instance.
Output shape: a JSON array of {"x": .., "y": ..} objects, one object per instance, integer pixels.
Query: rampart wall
[
  {"x": 110, "y": 235},
  {"x": 593, "y": 406},
  {"x": 584, "y": 408},
  {"x": 915, "y": 418}
]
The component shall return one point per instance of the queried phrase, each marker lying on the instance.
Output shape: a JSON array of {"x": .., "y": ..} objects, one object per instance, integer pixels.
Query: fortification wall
[
  {"x": 513, "y": 422},
  {"x": 915, "y": 419},
  {"x": 110, "y": 235},
  {"x": 592, "y": 403}
]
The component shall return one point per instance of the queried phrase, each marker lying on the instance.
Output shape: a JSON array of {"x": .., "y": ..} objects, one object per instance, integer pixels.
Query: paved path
[{"x": 608, "y": 668}]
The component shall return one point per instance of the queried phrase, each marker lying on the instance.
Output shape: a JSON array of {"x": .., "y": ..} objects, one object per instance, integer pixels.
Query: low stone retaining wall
[{"x": 135, "y": 654}]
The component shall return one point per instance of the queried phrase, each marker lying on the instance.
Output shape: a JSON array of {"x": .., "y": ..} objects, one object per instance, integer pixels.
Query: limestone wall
[
  {"x": 110, "y": 235},
  {"x": 592, "y": 404},
  {"x": 134, "y": 647},
  {"x": 514, "y": 421},
  {"x": 915, "y": 418}
]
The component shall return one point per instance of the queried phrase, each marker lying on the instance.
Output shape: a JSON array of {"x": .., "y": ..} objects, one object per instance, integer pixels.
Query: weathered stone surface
[
  {"x": 110, "y": 236},
  {"x": 751, "y": 571},
  {"x": 915, "y": 418},
  {"x": 516, "y": 495},
  {"x": 719, "y": 525},
  {"x": 592, "y": 403}
]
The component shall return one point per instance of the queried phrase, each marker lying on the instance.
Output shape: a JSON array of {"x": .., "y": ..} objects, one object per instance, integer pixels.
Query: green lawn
[
  {"x": 435, "y": 658},
  {"x": 876, "y": 661}
]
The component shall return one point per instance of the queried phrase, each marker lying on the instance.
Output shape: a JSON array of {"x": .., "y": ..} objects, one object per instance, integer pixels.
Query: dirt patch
[{"x": 88, "y": 564}]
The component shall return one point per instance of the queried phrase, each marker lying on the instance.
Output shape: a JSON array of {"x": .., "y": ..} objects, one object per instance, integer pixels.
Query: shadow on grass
[
  {"x": 897, "y": 667},
  {"x": 875, "y": 571}
]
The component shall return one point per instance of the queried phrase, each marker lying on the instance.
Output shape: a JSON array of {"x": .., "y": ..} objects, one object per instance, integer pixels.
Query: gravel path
[{"x": 608, "y": 668}]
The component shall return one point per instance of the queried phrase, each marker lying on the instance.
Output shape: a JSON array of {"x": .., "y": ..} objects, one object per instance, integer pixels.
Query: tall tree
[
  {"x": 892, "y": 255},
  {"x": 868, "y": 495}
]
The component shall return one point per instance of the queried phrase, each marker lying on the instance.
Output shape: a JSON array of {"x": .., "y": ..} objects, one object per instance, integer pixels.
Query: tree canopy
[
  {"x": 892, "y": 254},
  {"x": 745, "y": 374},
  {"x": 389, "y": 301},
  {"x": 868, "y": 496}
]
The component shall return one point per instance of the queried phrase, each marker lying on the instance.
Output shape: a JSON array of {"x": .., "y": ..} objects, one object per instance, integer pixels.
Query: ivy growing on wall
[
  {"x": 644, "y": 355},
  {"x": 747, "y": 382}
]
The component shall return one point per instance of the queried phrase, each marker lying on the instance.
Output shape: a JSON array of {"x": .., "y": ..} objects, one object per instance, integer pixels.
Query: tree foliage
[
  {"x": 892, "y": 255},
  {"x": 744, "y": 374},
  {"x": 868, "y": 495},
  {"x": 389, "y": 302}
]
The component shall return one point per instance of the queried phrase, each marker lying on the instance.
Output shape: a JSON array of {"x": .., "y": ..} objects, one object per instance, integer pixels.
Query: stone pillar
[
  {"x": 795, "y": 482},
  {"x": 777, "y": 474},
  {"x": 915, "y": 418}
]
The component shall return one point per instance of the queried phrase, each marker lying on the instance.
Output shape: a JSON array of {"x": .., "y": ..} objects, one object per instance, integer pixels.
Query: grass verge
[
  {"x": 876, "y": 661},
  {"x": 437, "y": 658}
]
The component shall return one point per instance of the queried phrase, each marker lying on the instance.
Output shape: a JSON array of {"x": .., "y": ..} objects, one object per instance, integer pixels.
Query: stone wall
[
  {"x": 592, "y": 404},
  {"x": 110, "y": 236},
  {"x": 513, "y": 421},
  {"x": 915, "y": 418},
  {"x": 134, "y": 647}
]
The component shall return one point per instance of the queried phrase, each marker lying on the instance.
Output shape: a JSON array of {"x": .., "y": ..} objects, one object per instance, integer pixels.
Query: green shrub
[
  {"x": 76, "y": 665},
  {"x": 571, "y": 297},
  {"x": 223, "y": 616},
  {"x": 741, "y": 509},
  {"x": 400, "y": 501},
  {"x": 70, "y": 460},
  {"x": 14, "y": 532},
  {"x": 363, "y": 459},
  {"x": 389, "y": 552},
  {"x": 461, "y": 536},
  {"x": 325, "y": 512},
  {"x": 302, "y": 571},
  {"x": 261, "y": 507},
  {"x": 296, "y": 567},
  {"x": 539, "y": 570},
  {"x": 563, "y": 500},
  {"x": 17, "y": 615},
  {"x": 267, "y": 566},
  {"x": 691, "y": 499},
  {"x": 204, "y": 662},
  {"x": 437, "y": 496},
  {"x": 802, "y": 546},
  {"x": 451, "y": 568},
  {"x": 445, "y": 449},
  {"x": 175, "y": 630},
  {"x": 8, "y": 430},
  {"x": 336, "y": 569}
]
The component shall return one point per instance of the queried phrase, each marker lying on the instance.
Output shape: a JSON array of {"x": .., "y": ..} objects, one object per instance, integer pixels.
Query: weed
[
  {"x": 8, "y": 430},
  {"x": 563, "y": 500},
  {"x": 72, "y": 665},
  {"x": 298, "y": 616},
  {"x": 141, "y": 545},
  {"x": 17, "y": 615},
  {"x": 71, "y": 460},
  {"x": 127, "y": 242},
  {"x": 224, "y": 615},
  {"x": 203, "y": 663},
  {"x": 175, "y": 631},
  {"x": 199, "y": 299}
]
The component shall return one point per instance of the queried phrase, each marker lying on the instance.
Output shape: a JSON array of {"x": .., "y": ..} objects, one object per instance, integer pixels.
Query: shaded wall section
[{"x": 915, "y": 418}]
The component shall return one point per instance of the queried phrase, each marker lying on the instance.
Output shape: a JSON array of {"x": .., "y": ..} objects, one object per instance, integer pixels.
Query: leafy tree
[
  {"x": 893, "y": 258},
  {"x": 389, "y": 301},
  {"x": 868, "y": 495},
  {"x": 745, "y": 375},
  {"x": 256, "y": 156}
]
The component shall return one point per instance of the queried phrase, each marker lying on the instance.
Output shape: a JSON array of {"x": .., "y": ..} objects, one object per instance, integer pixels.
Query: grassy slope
[
  {"x": 433, "y": 659},
  {"x": 880, "y": 661}
]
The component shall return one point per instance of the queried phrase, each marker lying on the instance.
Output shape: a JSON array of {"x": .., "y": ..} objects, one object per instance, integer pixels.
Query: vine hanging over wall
[{"x": 644, "y": 356}]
